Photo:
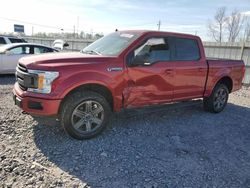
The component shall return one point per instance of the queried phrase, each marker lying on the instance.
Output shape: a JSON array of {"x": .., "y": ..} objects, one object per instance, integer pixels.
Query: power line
[
  {"x": 41, "y": 25},
  {"x": 137, "y": 25},
  {"x": 48, "y": 26}
]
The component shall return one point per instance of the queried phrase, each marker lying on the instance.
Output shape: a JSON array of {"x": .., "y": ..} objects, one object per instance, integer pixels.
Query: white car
[
  {"x": 10, "y": 39},
  {"x": 11, "y": 53},
  {"x": 60, "y": 44}
]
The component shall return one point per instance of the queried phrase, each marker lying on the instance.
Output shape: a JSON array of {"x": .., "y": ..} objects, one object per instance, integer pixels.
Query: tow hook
[{"x": 23, "y": 112}]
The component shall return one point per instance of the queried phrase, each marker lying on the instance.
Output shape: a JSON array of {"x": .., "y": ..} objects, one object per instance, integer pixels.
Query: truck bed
[{"x": 218, "y": 68}]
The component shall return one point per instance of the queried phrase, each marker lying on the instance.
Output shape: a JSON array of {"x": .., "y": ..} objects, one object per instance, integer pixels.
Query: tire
[
  {"x": 84, "y": 114},
  {"x": 217, "y": 101}
]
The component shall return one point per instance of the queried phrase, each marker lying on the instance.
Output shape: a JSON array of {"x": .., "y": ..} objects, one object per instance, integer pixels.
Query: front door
[
  {"x": 150, "y": 74},
  {"x": 11, "y": 58}
]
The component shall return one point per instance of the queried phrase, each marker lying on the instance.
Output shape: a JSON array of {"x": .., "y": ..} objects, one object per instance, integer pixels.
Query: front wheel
[
  {"x": 84, "y": 114},
  {"x": 217, "y": 101}
]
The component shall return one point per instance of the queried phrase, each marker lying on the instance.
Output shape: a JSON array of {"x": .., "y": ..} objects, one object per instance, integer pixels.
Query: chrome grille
[
  {"x": 22, "y": 67},
  {"x": 20, "y": 74}
]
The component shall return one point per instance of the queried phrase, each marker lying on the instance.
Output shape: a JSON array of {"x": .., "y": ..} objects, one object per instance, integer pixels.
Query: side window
[
  {"x": 15, "y": 40},
  {"x": 49, "y": 50},
  {"x": 2, "y": 41},
  {"x": 153, "y": 50},
  {"x": 39, "y": 50},
  {"x": 20, "y": 50},
  {"x": 186, "y": 49}
]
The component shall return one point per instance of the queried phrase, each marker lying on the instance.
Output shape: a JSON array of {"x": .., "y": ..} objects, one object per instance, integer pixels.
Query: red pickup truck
[{"x": 121, "y": 70}]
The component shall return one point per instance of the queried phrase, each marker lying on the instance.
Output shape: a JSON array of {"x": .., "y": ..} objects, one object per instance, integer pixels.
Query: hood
[{"x": 62, "y": 59}]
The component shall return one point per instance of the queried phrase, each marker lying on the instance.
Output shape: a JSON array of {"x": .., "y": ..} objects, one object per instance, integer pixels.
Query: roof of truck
[{"x": 152, "y": 32}]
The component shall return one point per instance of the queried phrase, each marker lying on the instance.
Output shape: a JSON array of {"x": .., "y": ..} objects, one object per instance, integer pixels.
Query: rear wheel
[
  {"x": 217, "y": 101},
  {"x": 84, "y": 114}
]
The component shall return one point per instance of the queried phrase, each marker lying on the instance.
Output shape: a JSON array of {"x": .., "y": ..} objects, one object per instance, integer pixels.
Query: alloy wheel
[
  {"x": 220, "y": 98},
  {"x": 87, "y": 116}
]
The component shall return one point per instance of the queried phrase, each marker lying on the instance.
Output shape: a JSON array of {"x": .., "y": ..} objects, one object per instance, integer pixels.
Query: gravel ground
[{"x": 177, "y": 145}]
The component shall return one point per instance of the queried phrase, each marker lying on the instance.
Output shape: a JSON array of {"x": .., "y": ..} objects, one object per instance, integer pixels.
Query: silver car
[
  {"x": 5, "y": 39},
  {"x": 11, "y": 53}
]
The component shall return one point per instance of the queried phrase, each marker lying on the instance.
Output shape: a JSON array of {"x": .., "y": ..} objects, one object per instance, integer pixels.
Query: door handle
[
  {"x": 200, "y": 69},
  {"x": 168, "y": 71}
]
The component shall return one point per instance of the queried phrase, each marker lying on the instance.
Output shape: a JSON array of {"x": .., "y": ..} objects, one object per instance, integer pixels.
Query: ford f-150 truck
[{"x": 122, "y": 70}]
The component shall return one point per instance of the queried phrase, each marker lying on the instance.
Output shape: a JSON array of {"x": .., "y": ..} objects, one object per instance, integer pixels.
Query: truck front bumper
[{"x": 35, "y": 106}]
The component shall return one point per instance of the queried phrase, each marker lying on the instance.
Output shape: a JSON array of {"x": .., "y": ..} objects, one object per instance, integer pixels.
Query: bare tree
[
  {"x": 216, "y": 28},
  {"x": 234, "y": 25}
]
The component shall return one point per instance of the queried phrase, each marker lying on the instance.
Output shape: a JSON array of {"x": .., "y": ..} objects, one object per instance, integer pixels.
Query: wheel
[
  {"x": 84, "y": 114},
  {"x": 217, "y": 101}
]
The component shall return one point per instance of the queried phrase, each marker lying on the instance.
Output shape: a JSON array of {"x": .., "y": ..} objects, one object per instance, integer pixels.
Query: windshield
[{"x": 112, "y": 44}]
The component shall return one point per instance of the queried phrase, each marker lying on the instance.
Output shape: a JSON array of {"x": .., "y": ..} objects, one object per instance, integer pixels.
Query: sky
[{"x": 104, "y": 16}]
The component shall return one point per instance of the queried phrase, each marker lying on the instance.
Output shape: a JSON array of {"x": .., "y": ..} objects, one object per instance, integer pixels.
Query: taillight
[
  {"x": 243, "y": 73},
  {"x": 243, "y": 70}
]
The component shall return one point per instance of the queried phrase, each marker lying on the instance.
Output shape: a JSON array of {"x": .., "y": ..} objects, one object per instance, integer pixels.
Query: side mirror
[
  {"x": 66, "y": 44},
  {"x": 141, "y": 60}
]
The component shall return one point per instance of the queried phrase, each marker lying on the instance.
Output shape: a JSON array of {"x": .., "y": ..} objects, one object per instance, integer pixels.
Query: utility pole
[
  {"x": 74, "y": 31},
  {"x": 32, "y": 30},
  {"x": 77, "y": 25},
  {"x": 92, "y": 33},
  {"x": 62, "y": 32},
  {"x": 159, "y": 25}
]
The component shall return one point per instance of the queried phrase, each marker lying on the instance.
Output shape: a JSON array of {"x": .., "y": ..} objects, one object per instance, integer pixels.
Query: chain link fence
[{"x": 236, "y": 51}]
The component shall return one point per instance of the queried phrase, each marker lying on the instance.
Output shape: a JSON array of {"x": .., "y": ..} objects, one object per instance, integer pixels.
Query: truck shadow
[{"x": 165, "y": 146}]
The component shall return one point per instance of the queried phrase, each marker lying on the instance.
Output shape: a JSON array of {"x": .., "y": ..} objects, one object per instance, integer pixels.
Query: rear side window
[
  {"x": 39, "y": 50},
  {"x": 186, "y": 49},
  {"x": 2, "y": 41},
  {"x": 49, "y": 50},
  {"x": 15, "y": 40}
]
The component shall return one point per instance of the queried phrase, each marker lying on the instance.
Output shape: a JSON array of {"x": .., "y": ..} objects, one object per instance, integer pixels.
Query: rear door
[
  {"x": 151, "y": 80},
  {"x": 190, "y": 69}
]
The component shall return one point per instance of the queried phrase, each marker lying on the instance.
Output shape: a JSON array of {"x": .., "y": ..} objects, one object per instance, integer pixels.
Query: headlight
[{"x": 44, "y": 80}]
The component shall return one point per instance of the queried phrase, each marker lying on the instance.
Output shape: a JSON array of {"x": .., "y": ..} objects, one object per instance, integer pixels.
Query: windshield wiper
[{"x": 91, "y": 52}]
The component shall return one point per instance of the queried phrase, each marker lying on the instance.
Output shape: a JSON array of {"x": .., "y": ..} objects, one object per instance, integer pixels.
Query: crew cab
[{"x": 125, "y": 69}]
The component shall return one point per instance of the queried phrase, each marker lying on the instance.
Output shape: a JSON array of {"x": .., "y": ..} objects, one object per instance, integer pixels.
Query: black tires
[
  {"x": 217, "y": 101},
  {"x": 84, "y": 114}
]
